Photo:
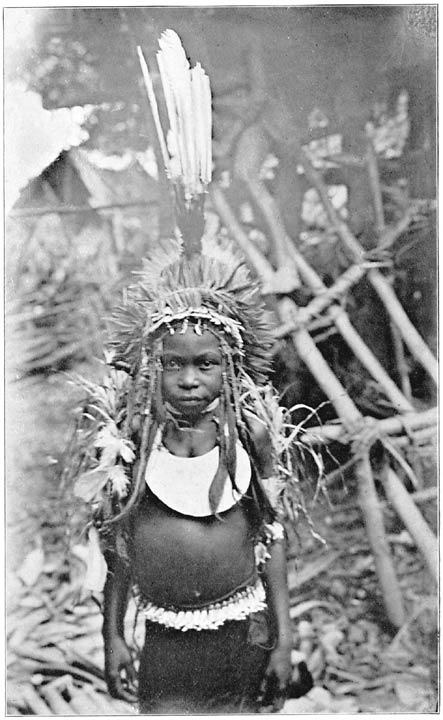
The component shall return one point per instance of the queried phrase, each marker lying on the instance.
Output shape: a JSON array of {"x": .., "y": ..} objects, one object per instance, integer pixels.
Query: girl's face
[{"x": 192, "y": 371}]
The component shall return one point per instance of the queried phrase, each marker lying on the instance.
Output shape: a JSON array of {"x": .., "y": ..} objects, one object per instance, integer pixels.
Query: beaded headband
[{"x": 203, "y": 315}]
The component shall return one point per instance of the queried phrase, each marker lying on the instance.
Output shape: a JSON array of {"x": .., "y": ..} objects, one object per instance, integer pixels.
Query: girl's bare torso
[{"x": 181, "y": 560}]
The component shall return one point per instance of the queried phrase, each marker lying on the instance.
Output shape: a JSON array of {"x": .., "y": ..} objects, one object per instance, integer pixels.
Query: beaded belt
[{"x": 237, "y": 607}]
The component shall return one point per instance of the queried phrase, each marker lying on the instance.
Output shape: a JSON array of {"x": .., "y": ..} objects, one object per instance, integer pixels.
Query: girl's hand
[
  {"x": 277, "y": 677},
  {"x": 119, "y": 670}
]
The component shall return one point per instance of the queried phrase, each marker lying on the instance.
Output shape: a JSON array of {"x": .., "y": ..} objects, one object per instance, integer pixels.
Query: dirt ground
[{"x": 360, "y": 664}]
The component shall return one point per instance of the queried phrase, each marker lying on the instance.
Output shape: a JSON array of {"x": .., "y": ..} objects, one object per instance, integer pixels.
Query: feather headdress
[
  {"x": 214, "y": 290},
  {"x": 186, "y": 281},
  {"x": 190, "y": 279}
]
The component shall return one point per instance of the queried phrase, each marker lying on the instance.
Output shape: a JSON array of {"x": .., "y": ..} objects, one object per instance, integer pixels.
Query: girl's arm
[
  {"x": 279, "y": 669},
  {"x": 119, "y": 669}
]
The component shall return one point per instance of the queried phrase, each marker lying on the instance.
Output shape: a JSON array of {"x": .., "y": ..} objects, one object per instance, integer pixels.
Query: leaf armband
[{"x": 270, "y": 534}]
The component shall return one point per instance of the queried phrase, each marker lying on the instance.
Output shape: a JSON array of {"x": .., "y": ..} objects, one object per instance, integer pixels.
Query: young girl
[
  {"x": 194, "y": 565},
  {"x": 185, "y": 480}
]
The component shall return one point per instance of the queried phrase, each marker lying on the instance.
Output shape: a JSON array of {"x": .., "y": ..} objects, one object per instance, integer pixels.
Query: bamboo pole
[
  {"x": 400, "y": 359},
  {"x": 351, "y": 418},
  {"x": 369, "y": 360},
  {"x": 411, "y": 337},
  {"x": 374, "y": 183},
  {"x": 380, "y": 226},
  {"x": 324, "y": 298},
  {"x": 373, "y": 517},
  {"x": 327, "y": 380},
  {"x": 258, "y": 262},
  {"x": 388, "y": 426},
  {"x": 415, "y": 524},
  {"x": 78, "y": 209},
  {"x": 270, "y": 210},
  {"x": 423, "y": 439}
]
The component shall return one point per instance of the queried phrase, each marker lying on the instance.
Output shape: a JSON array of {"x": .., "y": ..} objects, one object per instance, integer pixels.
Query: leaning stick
[
  {"x": 257, "y": 260},
  {"x": 344, "y": 326},
  {"x": 380, "y": 226},
  {"x": 400, "y": 357},
  {"x": 308, "y": 351},
  {"x": 369, "y": 360},
  {"x": 350, "y": 415},
  {"x": 411, "y": 337},
  {"x": 374, "y": 183},
  {"x": 373, "y": 517},
  {"x": 321, "y": 301},
  {"x": 417, "y": 527}
]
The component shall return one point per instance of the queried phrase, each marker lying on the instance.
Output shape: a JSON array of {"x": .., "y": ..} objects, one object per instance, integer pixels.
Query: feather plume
[
  {"x": 188, "y": 101},
  {"x": 187, "y": 153}
]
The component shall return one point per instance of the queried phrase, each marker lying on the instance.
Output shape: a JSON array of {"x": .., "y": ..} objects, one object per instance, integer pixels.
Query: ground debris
[
  {"x": 55, "y": 646},
  {"x": 355, "y": 657}
]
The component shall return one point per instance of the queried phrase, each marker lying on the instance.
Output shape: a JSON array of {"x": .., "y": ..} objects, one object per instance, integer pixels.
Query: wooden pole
[
  {"x": 388, "y": 426},
  {"x": 374, "y": 183},
  {"x": 373, "y": 517},
  {"x": 257, "y": 260},
  {"x": 323, "y": 298},
  {"x": 369, "y": 360},
  {"x": 411, "y": 337},
  {"x": 380, "y": 227},
  {"x": 415, "y": 524}
]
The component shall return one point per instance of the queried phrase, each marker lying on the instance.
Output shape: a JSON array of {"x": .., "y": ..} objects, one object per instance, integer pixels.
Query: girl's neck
[
  {"x": 195, "y": 439},
  {"x": 190, "y": 435},
  {"x": 190, "y": 421}
]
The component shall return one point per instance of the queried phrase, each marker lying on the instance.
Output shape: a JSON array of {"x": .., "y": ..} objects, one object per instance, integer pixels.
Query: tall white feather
[
  {"x": 154, "y": 107},
  {"x": 188, "y": 102}
]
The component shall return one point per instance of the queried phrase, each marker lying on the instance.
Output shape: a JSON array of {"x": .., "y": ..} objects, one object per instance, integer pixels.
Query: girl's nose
[{"x": 188, "y": 377}]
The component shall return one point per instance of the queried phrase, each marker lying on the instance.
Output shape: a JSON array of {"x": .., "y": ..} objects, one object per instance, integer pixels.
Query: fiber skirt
[{"x": 203, "y": 671}]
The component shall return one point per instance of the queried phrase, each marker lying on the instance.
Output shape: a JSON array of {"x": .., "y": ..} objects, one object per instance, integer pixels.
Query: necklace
[{"x": 181, "y": 422}]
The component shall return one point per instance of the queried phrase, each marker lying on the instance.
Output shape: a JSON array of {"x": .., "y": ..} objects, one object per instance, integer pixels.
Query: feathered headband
[{"x": 190, "y": 280}]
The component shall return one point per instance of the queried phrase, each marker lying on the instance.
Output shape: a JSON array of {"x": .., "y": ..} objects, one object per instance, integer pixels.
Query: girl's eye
[
  {"x": 208, "y": 363},
  {"x": 171, "y": 364}
]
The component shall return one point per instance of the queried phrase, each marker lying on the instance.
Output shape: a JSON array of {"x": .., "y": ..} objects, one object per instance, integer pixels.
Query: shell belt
[{"x": 237, "y": 607}]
